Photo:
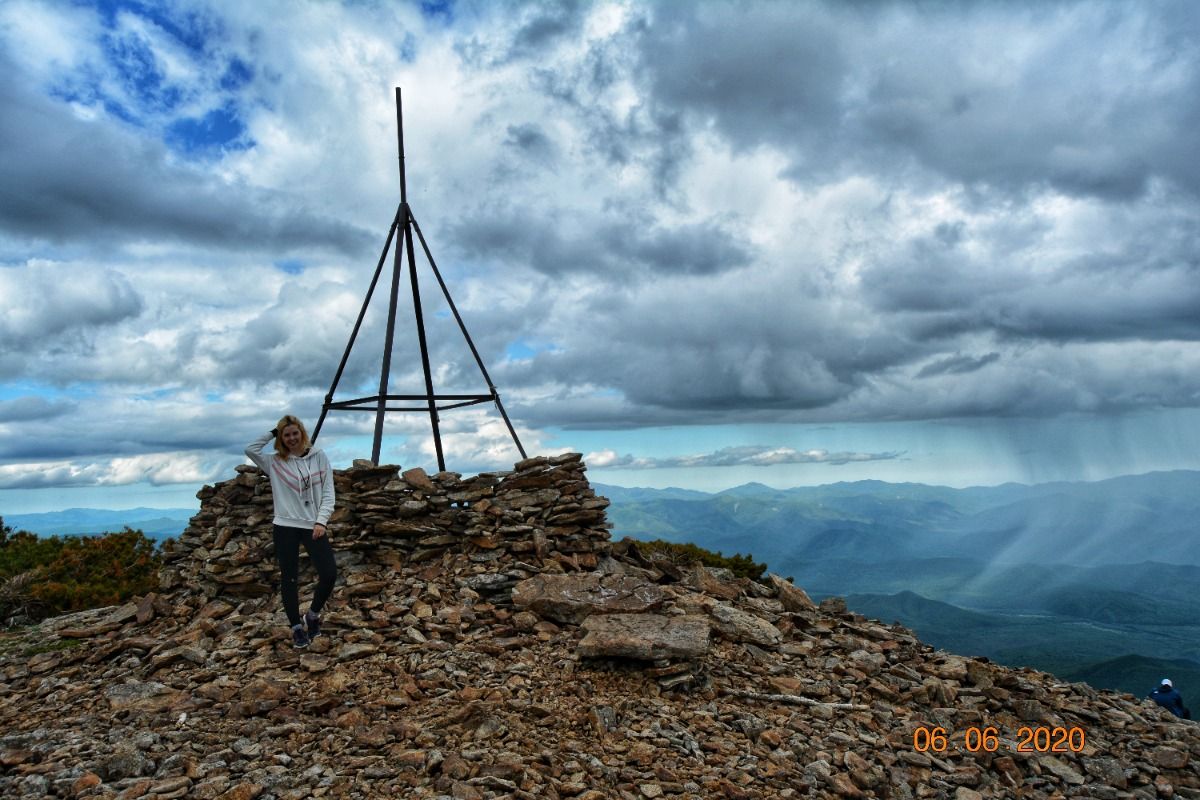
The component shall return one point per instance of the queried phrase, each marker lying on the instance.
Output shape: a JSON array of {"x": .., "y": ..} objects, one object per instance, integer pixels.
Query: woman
[{"x": 302, "y": 488}]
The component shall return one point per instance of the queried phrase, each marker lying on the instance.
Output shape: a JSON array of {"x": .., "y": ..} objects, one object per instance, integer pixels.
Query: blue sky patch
[
  {"x": 118, "y": 110},
  {"x": 85, "y": 90},
  {"x": 237, "y": 75},
  {"x": 17, "y": 389},
  {"x": 157, "y": 394},
  {"x": 291, "y": 266},
  {"x": 408, "y": 49},
  {"x": 191, "y": 29},
  {"x": 523, "y": 348},
  {"x": 110, "y": 8},
  {"x": 219, "y": 129},
  {"x": 138, "y": 70},
  {"x": 519, "y": 350},
  {"x": 148, "y": 89},
  {"x": 440, "y": 10}
]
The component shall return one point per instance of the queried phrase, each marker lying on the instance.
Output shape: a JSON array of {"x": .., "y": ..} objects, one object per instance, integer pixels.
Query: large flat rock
[
  {"x": 740, "y": 626},
  {"x": 573, "y": 598},
  {"x": 793, "y": 598},
  {"x": 149, "y": 697},
  {"x": 645, "y": 636}
]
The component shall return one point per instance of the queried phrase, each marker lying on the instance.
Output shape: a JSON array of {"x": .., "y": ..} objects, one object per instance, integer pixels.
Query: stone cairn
[
  {"x": 487, "y": 640},
  {"x": 543, "y": 509}
]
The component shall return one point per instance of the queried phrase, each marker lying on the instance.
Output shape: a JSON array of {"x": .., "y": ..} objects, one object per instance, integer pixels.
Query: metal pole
[
  {"x": 387, "y": 349},
  {"x": 416, "y": 292},
  {"x": 337, "y": 377},
  {"x": 402, "y": 217},
  {"x": 400, "y": 141},
  {"x": 406, "y": 221}
]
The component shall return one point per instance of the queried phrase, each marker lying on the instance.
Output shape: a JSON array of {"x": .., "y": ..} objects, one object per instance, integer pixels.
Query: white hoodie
[{"x": 302, "y": 486}]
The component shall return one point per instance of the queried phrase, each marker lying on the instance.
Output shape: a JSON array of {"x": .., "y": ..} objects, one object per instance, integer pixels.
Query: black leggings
[{"x": 287, "y": 553}]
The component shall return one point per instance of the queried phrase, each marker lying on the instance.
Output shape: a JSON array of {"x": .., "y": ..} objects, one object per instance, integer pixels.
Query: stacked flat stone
[{"x": 543, "y": 509}]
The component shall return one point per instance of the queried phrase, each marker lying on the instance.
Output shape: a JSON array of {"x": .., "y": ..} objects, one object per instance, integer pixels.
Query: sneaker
[
  {"x": 299, "y": 637},
  {"x": 313, "y": 622}
]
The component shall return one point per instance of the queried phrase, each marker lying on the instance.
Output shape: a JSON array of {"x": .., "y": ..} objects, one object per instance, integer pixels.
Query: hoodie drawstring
[{"x": 307, "y": 477}]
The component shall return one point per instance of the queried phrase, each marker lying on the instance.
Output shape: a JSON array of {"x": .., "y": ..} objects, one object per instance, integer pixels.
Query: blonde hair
[{"x": 281, "y": 450}]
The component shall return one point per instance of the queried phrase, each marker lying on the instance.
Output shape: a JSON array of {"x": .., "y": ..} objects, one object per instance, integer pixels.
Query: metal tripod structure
[{"x": 405, "y": 224}]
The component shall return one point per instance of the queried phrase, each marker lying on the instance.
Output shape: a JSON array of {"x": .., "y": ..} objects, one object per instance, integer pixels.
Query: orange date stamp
[{"x": 988, "y": 739}]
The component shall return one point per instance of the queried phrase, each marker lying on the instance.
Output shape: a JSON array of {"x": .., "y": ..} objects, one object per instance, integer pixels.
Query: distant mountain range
[
  {"x": 1150, "y": 517},
  {"x": 1096, "y": 581},
  {"x": 157, "y": 523}
]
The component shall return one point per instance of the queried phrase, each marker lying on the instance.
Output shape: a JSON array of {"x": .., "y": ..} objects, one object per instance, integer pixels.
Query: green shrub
[
  {"x": 683, "y": 553},
  {"x": 44, "y": 576}
]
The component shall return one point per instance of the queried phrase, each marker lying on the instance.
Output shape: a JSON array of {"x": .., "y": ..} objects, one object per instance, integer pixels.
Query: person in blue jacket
[
  {"x": 1167, "y": 696},
  {"x": 302, "y": 490}
]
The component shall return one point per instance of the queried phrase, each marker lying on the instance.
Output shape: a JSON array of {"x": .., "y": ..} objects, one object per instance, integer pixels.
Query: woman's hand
[{"x": 318, "y": 530}]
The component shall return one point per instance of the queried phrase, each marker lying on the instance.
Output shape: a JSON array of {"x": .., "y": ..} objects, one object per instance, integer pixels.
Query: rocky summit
[{"x": 488, "y": 640}]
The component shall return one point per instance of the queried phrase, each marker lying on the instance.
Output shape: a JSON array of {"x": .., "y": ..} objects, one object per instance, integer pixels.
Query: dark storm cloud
[
  {"x": 613, "y": 249},
  {"x": 286, "y": 342},
  {"x": 1148, "y": 289},
  {"x": 958, "y": 365},
  {"x": 772, "y": 76},
  {"x": 64, "y": 179},
  {"x": 48, "y": 306},
  {"x": 531, "y": 140},
  {"x": 649, "y": 133},
  {"x": 665, "y": 381},
  {"x": 998, "y": 102},
  {"x": 544, "y": 23},
  {"x": 27, "y": 409},
  {"x": 115, "y": 425},
  {"x": 1092, "y": 99},
  {"x": 684, "y": 352},
  {"x": 535, "y": 149},
  {"x": 927, "y": 276}
]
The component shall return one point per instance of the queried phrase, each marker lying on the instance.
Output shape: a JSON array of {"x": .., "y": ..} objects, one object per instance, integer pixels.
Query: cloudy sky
[{"x": 703, "y": 243}]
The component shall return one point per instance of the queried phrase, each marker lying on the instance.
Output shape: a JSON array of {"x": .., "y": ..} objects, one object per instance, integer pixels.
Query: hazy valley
[{"x": 1094, "y": 581}]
